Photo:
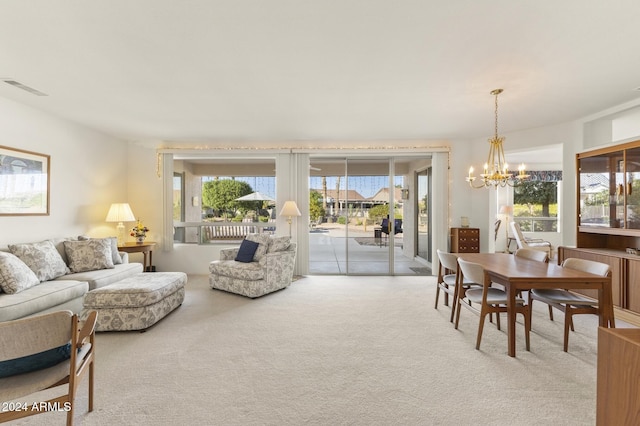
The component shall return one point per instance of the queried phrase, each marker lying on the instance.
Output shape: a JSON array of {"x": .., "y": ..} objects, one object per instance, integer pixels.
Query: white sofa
[
  {"x": 55, "y": 274},
  {"x": 271, "y": 269}
]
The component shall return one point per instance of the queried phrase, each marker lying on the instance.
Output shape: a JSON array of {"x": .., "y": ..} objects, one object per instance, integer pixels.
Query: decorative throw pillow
[
  {"x": 42, "y": 258},
  {"x": 117, "y": 259},
  {"x": 279, "y": 244},
  {"x": 89, "y": 255},
  {"x": 15, "y": 275},
  {"x": 35, "y": 362},
  {"x": 264, "y": 240},
  {"x": 246, "y": 251}
]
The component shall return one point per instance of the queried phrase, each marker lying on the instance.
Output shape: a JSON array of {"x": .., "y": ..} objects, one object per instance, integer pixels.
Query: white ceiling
[{"x": 214, "y": 70}]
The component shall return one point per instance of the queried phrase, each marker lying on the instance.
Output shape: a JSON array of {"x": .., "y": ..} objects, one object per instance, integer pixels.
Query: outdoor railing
[
  {"x": 537, "y": 224},
  {"x": 214, "y": 232}
]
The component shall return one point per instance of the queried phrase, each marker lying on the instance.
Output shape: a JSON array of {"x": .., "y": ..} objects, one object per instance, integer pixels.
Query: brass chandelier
[{"x": 496, "y": 170}]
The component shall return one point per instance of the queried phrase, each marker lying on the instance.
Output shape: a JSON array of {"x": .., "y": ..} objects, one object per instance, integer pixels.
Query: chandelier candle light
[{"x": 496, "y": 170}]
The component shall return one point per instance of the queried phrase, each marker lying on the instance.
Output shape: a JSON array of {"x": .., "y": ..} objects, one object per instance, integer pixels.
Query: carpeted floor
[{"x": 336, "y": 350}]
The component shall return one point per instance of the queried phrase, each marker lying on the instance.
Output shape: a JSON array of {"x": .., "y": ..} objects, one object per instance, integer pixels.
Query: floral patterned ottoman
[{"x": 137, "y": 302}]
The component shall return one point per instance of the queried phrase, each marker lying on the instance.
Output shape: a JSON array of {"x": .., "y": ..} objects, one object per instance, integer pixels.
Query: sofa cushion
[
  {"x": 144, "y": 289},
  {"x": 246, "y": 251},
  {"x": 279, "y": 244},
  {"x": 230, "y": 268},
  {"x": 264, "y": 240},
  {"x": 39, "y": 298},
  {"x": 43, "y": 259},
  {"x": 15, "y": 275},
  {"x": 39, "y": 361},
  {"x": 89, "y": 255},
  {"x": 102, "y": 277}
]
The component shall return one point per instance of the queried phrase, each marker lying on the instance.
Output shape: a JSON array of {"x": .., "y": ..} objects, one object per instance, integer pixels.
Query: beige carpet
[{"x": 337, "y": 351}]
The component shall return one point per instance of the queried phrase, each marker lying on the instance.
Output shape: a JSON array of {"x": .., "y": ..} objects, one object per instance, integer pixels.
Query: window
[{"x": 535, "y": 205}]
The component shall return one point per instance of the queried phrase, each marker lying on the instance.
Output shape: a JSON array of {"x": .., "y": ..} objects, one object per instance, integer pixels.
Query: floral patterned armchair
[{"x": 270, "y": 271}]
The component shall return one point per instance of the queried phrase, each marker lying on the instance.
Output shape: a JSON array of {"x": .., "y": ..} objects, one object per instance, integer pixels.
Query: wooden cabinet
[
  {"x": 465, "y": 240},
  {"x": 609, "y": 182},
  {"x": 608, "y": 219},
  {"x": 618, "y": 401}
]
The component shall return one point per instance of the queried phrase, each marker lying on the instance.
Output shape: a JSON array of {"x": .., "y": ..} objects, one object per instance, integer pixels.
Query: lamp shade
[
  {"x": 120, "y": 212},
  {"x": 506, "y": 210},
  {"x": 290, "y": 209}
]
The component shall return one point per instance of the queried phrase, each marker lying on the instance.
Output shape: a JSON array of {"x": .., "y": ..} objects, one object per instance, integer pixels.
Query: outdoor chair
[{"x": 529, "y": 243}]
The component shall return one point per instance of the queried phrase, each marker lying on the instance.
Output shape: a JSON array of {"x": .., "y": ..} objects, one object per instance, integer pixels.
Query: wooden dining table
[{"x": 518, "y": 274}]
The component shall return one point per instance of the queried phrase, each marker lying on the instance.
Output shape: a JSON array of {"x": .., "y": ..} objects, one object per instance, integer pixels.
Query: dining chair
[
  {"x": 43, "y": 352},
  {"x": 530, "y": 243},
  {"x": 537, "y": 255},
  {"x": 447, "y": 271},
  {"x": 490, "y": 299},
  {"x": 568, "y": 302}
]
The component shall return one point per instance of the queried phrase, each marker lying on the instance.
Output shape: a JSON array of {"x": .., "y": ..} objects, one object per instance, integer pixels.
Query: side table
[{"x": 144, "y": 248}]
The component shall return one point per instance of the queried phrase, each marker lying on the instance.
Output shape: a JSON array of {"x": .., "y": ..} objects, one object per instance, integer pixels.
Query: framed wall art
[{"x": 24, "y": 182}]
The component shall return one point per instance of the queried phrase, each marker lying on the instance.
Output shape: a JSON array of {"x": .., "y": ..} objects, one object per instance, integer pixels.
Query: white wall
[
  {"x": 481, "y": 205},
  {"x": 88, "y": 173}
]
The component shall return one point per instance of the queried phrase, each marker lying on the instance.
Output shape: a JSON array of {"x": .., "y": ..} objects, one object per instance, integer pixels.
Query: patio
[{"x": 328, "y": 247}]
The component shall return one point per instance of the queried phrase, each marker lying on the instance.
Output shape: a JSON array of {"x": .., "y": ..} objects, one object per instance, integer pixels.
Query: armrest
[
  {"x": 125, "y": 256},
  {"x": 229, "y": 254}
]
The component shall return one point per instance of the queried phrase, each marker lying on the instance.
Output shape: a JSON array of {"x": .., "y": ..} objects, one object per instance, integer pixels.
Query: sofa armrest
[
  {"x": 125, "y": 256},
  {"x": 229, "y": 254}
]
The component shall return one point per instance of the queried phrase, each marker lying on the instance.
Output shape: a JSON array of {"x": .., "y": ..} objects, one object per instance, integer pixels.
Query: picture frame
[{"x": 24, "y": 182}]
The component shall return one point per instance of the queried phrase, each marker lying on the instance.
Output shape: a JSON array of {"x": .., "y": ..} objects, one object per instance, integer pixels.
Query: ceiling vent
[{"x": 23, "y": 87}]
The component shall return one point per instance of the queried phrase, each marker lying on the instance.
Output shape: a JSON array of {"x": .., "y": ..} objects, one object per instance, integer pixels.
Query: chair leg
[
  {"x": 454, "y": 304},
  {"x": 91, "y": 387},
  {"x": 550, "y": 313},
  {"x": 480, "y": 328},
  {"x": 527, "y": 326},
  {"x": 458, "y": 308},
  {"x": 437, "y": 295},
  {"x": 497, "y": 320},
  {"x": 567, "y": 322}
]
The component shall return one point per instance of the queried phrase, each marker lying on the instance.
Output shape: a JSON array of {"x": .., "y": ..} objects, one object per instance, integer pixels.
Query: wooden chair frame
[{"x": 80, "y": 363}]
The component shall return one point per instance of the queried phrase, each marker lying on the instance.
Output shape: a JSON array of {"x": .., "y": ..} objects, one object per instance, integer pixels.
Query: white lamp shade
[
  {"x": 120, "y": 212},
  {"x": 290, "y": 209}
]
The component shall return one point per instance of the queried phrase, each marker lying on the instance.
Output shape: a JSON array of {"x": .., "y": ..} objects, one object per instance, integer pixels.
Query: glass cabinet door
[
  {"x": 602, "y": 190},
  {"x": 632, "y": 162}
]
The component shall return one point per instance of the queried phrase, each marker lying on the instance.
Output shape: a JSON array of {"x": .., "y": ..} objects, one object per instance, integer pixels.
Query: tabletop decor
[{"x": 139, "y": 232}]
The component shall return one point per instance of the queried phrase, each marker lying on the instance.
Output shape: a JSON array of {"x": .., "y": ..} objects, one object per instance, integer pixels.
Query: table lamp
[
  {"x": 290, "y": 209},
  {"x": 120, "y": 212}
]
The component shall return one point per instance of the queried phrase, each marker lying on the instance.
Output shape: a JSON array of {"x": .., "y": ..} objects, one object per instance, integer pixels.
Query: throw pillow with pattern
[
  {"x": 279, "y": 244},
  {"x": 264, "y": 240},
  {"x": 42, "y": 258},
  {"x": 15, "y": 275},
  {"x": 89, "y": 255}
]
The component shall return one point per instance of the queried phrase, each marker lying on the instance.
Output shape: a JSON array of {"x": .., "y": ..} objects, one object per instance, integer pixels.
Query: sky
[{"x": 367, "y": 186}]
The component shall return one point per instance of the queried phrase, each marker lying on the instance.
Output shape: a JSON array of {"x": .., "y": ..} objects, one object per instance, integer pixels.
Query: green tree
[
  {"x": 377, "y": 213},
  {"x": 221, "y": 195},
  {"x": 543, "y": 193},
  {"x": 315, "y": 205}
]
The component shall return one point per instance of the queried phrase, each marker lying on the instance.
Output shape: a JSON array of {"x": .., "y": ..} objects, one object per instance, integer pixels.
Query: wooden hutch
[{"x": 608, "y": 191}]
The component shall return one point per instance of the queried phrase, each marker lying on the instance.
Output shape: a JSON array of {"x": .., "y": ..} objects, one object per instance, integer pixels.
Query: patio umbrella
[{"x": 255, "y": 196}]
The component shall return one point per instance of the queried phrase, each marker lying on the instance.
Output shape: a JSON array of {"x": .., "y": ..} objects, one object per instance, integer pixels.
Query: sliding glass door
[{"x": 359, "y": 222}]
